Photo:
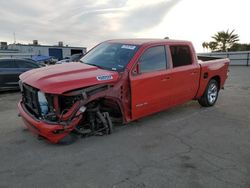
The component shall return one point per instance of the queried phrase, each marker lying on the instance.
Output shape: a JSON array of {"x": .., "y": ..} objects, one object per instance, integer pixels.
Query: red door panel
[
  {"x": 157, "y": 90},
  {"x": 150, "y": 93},
  {"x": 185, "y": 82}
]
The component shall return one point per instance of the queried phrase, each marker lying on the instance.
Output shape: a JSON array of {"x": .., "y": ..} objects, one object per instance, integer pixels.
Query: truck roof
[{"x": 141, "y": 41}]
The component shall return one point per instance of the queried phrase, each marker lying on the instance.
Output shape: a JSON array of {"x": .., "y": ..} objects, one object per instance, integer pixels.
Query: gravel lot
[{"x": 184, "y": 147}]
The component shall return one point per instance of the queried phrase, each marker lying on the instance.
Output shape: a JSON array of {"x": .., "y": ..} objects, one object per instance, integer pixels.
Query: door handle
[{"x": 165, "y": 79}]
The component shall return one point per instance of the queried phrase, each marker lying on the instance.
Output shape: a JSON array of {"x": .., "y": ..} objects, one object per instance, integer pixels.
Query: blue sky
[{"x": 88, "y": 22}]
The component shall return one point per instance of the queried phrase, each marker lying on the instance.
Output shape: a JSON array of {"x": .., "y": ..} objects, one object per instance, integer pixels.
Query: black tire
[
  {"x": 210, "y": 95},
  {"x": 110, "y": 124},
  {"x": 105, "y": 118}
]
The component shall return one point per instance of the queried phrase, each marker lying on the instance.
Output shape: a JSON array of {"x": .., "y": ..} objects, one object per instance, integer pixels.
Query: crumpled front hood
[{"x": 57, "y": 79}]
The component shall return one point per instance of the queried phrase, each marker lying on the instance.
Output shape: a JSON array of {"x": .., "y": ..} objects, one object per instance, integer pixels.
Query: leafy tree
[
  {"x": 225, "y": 40},
  {"x": 205, "y": 45},
  {"x": 210, "y": 45},
  {"x": 213, "y": 45},
  {"x": 240, "y": 47}
]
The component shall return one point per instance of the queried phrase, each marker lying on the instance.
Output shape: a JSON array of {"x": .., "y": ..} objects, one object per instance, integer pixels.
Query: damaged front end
[{"x": 60, "y": 118}]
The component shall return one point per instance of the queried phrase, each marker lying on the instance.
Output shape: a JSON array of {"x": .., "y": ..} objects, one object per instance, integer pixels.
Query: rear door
[
  {"x": 185, "y": 74},
  {"x": 8, "y": 72},
  {"x": 149, "y": 82}
]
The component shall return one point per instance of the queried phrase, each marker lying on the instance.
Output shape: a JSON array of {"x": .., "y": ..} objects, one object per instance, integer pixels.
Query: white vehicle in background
[{"x": 73, "y": 58}]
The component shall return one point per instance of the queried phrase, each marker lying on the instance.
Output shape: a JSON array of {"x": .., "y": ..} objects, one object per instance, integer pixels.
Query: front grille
[{"x": 30, "y": 100}]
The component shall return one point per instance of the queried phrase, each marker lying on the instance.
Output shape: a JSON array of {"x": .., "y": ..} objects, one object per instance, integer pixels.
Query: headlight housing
[{"x": 43, "y": 103}]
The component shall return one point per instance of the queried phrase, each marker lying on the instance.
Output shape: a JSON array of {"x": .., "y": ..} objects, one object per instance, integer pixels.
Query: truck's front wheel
[{"x": 210, "y": 96}]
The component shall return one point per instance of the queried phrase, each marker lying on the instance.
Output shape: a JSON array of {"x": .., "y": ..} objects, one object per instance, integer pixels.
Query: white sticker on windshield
[
  {"x": 104, "y": 77},
  {"x": 130, "y": 47}
]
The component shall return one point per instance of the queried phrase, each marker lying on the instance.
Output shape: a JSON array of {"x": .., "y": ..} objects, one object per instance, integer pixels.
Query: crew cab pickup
[{"x": 117, "y": 81}]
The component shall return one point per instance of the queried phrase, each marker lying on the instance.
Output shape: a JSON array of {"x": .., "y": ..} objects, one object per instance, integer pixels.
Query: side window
[
  {"x": 181, "y": 55},
  {"x": 25, "y": 64},
  {"x": 153, "y": 59},
  {"x": 7, "y": 64}
]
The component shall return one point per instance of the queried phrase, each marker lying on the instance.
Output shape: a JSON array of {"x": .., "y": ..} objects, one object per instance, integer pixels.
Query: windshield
[{"x": 110, "y": 56}]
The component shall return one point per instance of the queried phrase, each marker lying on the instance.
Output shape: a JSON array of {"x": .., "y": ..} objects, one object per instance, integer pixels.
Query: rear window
[
  {"x": 26, "y": 64},
  {"x": 181, "y": 55},
  {"x": 7, "y": 64}
]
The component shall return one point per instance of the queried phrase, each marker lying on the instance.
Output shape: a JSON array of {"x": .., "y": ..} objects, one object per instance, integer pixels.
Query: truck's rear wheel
[{"x": 210, "y": 96}]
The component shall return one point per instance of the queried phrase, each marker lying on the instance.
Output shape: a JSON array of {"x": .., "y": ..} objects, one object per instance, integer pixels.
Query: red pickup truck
[{"x": 117, "y": 81}]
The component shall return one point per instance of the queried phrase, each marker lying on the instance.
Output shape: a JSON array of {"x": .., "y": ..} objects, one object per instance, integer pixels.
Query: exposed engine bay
[{"x": 94, "y": 116}]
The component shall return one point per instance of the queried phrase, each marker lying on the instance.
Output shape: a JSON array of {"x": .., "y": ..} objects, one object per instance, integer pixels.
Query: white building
[{"x": 58, "y": 51}]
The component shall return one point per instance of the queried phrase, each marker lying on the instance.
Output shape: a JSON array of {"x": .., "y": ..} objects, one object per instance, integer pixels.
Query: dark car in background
[{"x": 11, "y": 68}]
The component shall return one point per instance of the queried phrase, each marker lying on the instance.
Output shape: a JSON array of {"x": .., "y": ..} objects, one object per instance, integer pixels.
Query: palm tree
[
  {"x": 205, "y": 45},
  {"x": 210, "y": 45},
  {"x": 225, "y": 40},
  {"x": 213, "y": 45}
]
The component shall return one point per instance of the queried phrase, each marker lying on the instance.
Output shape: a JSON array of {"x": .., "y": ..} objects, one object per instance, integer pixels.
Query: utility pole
[{"x": 14, "y": 38}]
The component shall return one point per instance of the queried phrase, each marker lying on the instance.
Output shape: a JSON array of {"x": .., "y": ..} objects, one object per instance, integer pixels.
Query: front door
[{"x": 149, "y": 82}]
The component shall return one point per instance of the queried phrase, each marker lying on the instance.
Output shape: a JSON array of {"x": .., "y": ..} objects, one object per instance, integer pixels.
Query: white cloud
[
  {"x": 79, "y": 23},
  {"x": 198, "y": 20},
  {"x": 88, "y": 22}
]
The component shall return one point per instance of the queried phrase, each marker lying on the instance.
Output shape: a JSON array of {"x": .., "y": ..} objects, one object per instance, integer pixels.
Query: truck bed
[
  {"x": 212, "y": 67},
  {"x": 208, "y": 58}
]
